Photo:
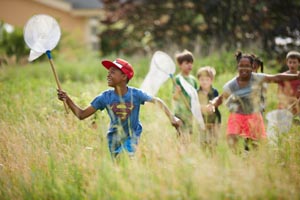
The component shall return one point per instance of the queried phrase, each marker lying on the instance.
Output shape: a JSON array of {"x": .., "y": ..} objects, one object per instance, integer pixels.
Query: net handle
[{"x": 56, "y": 77}]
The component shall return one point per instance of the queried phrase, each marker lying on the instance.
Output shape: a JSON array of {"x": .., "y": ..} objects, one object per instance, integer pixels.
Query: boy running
[{"x": 122, "y": 104}]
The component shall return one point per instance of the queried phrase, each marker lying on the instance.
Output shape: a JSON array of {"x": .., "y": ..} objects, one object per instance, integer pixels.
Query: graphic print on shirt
[{"x": 122, "y": 110}]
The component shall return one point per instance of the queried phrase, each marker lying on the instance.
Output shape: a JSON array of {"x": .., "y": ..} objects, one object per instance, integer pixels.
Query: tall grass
[{"x": 48, "y": 154}]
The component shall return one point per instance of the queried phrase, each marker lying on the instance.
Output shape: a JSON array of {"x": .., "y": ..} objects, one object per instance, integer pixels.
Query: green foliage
[
  {"x": 145, "y": 26},
  {"x": 221, "y": 61},
  {"x": 12, "y": 44}
]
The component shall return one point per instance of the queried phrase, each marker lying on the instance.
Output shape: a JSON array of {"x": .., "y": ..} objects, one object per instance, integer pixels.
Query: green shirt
[{"x": 182, "y": 110}]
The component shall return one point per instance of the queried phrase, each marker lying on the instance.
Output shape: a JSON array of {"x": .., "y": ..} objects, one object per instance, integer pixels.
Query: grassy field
[{"x": 48, "y": 154}]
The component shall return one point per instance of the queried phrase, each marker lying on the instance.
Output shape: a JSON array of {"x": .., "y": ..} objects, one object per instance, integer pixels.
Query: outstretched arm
[
  {"x": 217, "y": 101},
  {"x": 174, "y": 120},
  {"x": 281, "y": 77},
  {"x": 78, "y": 112}
]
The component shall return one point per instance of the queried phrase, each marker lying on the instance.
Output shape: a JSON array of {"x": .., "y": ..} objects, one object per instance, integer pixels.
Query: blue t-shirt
[
  {"x": 245, "y": 100},
  {"x": 122, "y": 110}
]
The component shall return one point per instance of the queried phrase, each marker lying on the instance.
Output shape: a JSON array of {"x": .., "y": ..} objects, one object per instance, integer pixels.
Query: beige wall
[{"x": 17, "y": 12}]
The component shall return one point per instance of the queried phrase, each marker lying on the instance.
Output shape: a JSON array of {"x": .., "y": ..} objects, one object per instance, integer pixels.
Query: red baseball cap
[{"x": 123, "y": 65}]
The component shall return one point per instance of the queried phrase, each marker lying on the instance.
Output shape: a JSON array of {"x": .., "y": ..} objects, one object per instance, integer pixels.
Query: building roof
[
  {"x": 86, "y": 4},
  {"x": 76, "y": 7}
]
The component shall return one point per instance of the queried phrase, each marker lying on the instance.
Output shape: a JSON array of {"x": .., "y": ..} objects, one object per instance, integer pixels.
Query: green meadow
[{"x": 46, "y": 153}]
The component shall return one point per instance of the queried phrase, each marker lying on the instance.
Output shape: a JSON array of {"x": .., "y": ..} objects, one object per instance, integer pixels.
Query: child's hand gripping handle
[
  {"x": 176, "y": 122},
  {"x": 56, "y": 77}
]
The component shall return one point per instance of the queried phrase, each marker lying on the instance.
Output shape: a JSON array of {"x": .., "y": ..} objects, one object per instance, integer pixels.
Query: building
[{"x": 78, "y": 19}]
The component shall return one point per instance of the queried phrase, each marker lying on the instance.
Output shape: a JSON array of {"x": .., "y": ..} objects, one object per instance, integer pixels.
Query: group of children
[
  {"x": 243, "y": 95},
  {"x": 206, "y": 93}
]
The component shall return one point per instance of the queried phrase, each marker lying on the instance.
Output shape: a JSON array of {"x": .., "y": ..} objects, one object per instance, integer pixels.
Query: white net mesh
[
  {"x": 161, "y": 68},
  {"x": 41, "y": 33},
  {"x": 279, "y": 121},
  {"x": 34, "y": 55},
  {"x": 195, "y": 104}
]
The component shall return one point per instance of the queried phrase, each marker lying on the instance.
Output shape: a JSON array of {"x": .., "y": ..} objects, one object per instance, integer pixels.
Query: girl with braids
[
  {"x": 242, "y": 97},
  {"x": 258, "y": 63}
]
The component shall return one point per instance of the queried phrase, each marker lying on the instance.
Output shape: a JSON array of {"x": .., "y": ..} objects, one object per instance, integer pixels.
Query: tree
[
  {"x": 12, "y": 44},
  {"x": 145, "y": 25}
]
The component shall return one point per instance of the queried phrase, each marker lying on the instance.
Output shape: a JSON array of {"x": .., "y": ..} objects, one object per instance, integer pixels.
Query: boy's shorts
[
  {"x": 116, "y": 145},
  {"x": 246, "y": 125}
]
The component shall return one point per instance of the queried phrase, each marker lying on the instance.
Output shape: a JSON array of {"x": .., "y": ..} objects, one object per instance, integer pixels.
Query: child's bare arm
[
  {"x": 281, "y": 77},
  {"x": 174, "y": 120},
  {"x": 217, "y": 101},
  {"x": 78, "y": 112}
]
